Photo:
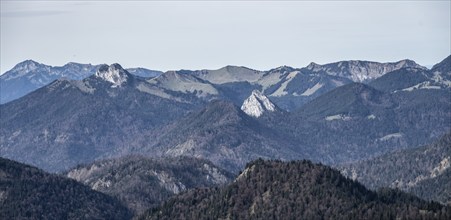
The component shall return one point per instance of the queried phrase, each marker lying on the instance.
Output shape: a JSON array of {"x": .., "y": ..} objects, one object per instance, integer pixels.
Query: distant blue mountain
[{"x": 30, "y": 75}]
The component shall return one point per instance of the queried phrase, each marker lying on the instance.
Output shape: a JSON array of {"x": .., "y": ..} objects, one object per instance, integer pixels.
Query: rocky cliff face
[
  {"x": 113, "y": 74},
  {"x": 257, "y": 104}
]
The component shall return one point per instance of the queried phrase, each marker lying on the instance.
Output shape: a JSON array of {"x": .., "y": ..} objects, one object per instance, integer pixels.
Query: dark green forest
[
  {"x": 29, "y": 193},
  {"x": 295, "y": 190}
]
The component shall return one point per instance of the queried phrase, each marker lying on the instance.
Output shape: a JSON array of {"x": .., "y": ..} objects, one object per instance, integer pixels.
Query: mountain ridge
[
  {"x": 361, "y": 71},
  {"x": 278, "y": 82},
  {"x": 352, "y": 122}
]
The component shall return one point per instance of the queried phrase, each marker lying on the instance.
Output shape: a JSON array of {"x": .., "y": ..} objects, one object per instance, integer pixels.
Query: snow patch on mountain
[
  {"x": 337, "y": 83},
  {"x": 281, "y": 90},
  {"x": 142, "y": 72},
  {"x": 144, "y": 87},
  {"x": 269, "y": 79},
  {"x": 184, "y": 83},
  {"x": 423, "y": 85},
  {"x": 371, "y": 117},
  {"x": 391, "y": 136},
  {"x": 338, "y": 117},
  {"x": 114, "y": 74},
  {"x": 311, "y": 91},
  {"x": 230, "y": 74},
  {"x": 256, "y": 104}
]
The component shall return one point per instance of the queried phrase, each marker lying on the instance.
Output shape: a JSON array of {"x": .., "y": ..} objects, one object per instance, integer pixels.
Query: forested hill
[
  {"x": 29, "y": 193},
  {"x": 424, "y": 171},
  {"x": 295, "y": 190}
]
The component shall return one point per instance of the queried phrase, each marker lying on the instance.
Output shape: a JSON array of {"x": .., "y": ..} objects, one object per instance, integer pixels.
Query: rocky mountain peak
[
  {"x": 28, "y": 64},
  {"x": 256, "y": 104},
  {"x": 25, "y": 68},
  {"x": 169, "y": 75},
  {"x": 313, "y": 66},
  {"x": 408, "y": 63},
  {"x": 114, "y": 74}
]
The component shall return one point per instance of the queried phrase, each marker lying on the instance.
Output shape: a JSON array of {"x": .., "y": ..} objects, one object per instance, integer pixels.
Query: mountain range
[
  {"x": 114, "y": 113},
  {"x": 289, "y": 87},
  {"x": 131, "y": 140}
]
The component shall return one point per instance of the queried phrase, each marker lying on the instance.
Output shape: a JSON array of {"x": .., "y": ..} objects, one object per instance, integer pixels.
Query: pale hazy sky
[{"x": 172, "y": 35}]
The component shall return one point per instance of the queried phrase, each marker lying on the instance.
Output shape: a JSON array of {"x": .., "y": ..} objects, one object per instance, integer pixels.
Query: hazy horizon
[{"x": 209, "y": 35}]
